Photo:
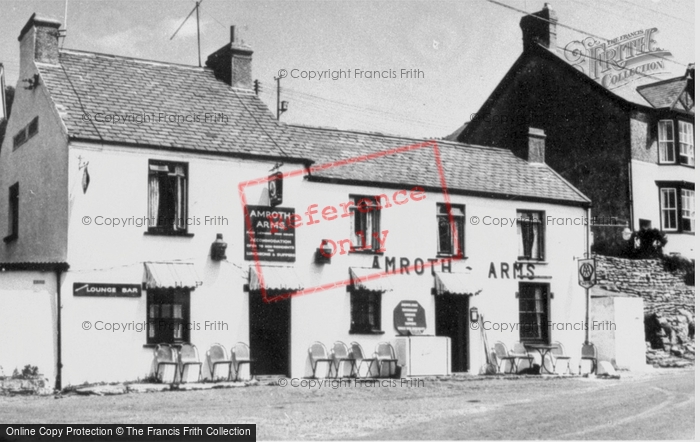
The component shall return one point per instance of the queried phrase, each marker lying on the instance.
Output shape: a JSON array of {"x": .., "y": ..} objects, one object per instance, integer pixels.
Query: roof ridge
[
  {"x": 661, "y": 82},
  {"x": 399, "y": 137},
  {"x": 135, "y": 59},
  {"x": 360, "y": 132}
]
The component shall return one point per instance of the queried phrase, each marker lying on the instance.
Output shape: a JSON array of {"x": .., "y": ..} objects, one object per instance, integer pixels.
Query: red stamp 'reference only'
[{"x": 296, "y": 222}]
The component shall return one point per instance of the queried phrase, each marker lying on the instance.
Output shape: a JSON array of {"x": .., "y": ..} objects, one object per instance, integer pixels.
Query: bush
[
  {"x": 646, "y": 244},
  {"x": 690, "y": 278},
  {"x": 674, "y": 263},
  {"x": 28, "y": 372},
  {"x": 677, "y": 263}
]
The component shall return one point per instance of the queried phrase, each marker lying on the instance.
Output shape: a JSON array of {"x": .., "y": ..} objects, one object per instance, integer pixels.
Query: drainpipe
[
  {"x": 59, "y": 363},
  {"x": 631, "y": 198},
  {"x": 588, "y": 255},
  {"x": 630, "y": 188}
]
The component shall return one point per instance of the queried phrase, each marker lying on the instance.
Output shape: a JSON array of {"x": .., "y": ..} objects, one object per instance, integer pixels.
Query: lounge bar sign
[
  {"x": 107, "y": 290},
  {"x": 409, "y": 318},
  {"x": 269, "y": 229}
]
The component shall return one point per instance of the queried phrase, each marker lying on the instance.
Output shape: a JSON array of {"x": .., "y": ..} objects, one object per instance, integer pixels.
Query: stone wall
[{"x": 669, "y": 305}]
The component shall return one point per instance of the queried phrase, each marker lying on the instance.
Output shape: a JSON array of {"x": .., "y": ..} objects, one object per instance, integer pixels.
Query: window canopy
[
  {"x": 171, "y": 275},
  {"x": 455, "y": 284}
]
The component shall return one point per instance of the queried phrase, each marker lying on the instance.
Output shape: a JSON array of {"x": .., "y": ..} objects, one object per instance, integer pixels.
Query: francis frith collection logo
[{"x": 617, "y": 62}]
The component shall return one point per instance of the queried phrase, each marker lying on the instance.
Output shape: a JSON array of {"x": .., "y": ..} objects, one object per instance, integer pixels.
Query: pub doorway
[
  {"x": 270, "y": 334},
  {"x": 452, "y": 320}
]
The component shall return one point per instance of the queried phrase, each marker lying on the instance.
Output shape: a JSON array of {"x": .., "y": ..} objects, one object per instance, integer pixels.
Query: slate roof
[
  {"x": 91, "y": 83},
  {"x": 479, "y": 170},
  {"x": 664, "y": 93}
]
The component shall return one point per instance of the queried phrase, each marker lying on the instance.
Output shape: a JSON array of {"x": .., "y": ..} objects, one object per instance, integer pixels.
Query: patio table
[{"x": 544, "y": 350}]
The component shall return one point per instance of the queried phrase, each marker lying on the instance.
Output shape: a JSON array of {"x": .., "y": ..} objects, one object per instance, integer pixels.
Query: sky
[{"x": 457, "y": 51}]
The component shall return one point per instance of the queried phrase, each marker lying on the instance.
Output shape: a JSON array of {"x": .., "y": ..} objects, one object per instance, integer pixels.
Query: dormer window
[{"x": 678, "y": 149}]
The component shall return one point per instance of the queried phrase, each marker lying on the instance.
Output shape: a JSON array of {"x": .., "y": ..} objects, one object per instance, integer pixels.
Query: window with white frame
[
  {"x": 167, "y": 197},
  {"x": 688, "y": 210},
  {"x": 530, "y": 235},
  {"x": 686, "y": 143},
  {"x": 667, "y": 146},
  {"x": 366, "y": 225},
  {"x": 677, "y": 201},
  {"x": 676, "y": 142},
  {"x": 669, "y": 209},
  {"x": 450, "y": 229}
]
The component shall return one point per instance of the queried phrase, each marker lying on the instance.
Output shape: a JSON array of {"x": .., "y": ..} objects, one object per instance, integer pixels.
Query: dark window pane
[{"x": 534, "y": 304}]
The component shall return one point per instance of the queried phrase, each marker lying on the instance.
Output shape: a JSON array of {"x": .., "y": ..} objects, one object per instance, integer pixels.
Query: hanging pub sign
[
  {"x": 274, "y": 189},
  {"x": 409, "y": 318},
  {"x": 107, "y": 290},
  {"x": 269, "y": 229}
]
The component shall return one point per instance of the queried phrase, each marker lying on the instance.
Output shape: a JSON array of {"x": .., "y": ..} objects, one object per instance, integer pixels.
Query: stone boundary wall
[{"x": 665, "y": 294}]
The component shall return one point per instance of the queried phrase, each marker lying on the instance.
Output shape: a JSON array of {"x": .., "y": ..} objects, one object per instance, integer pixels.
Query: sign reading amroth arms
[{"x": 614, "y": 63}]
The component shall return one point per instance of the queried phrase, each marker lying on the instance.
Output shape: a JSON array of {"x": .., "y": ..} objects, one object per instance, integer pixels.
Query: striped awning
[
  {"x": 171, "y": 275},
  {"x": 374, "y": 280},
  {"x": 274, "y": 278},
  {"x": 455, "y": 284}
]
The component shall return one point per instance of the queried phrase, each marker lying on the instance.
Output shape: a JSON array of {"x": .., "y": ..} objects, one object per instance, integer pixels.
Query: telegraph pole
[
  {"x": 199, "y": 48},
  {"x": 277, "y": 79},
  {"x": 587, "y": 275},
  {"x": 281, "y": 105}
]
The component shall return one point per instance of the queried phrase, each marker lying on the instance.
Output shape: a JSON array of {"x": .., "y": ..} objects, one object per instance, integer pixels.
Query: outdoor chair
[
  {"x": 502, "y": 354},
  {"x": 240, "y": 354},
  {"x": 384, "y": 353},
  {"x": 217, "y": 355},
  {"x": 589, "y": 353},
  {"x": 557, "y": 353},
  {"x": 164, "y": 356},
  {"x": 520, "y": 352},
  {"x": 318, "y": 353},
  {"x": 340, "y": 354},
  {"x": 189, "y": 355},
  {"x": 358, "y": 354}
]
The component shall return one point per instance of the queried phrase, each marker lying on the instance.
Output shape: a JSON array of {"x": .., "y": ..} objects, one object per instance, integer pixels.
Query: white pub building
[{"x": 125, "y": 177}]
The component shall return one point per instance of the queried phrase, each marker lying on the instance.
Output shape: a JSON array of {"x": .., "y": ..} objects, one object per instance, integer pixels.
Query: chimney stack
[
  {"x": 38, "y": 41},
  {"x": 540, "y": 28},
  {"x": 233, "y": 63},
  {"x": 535, "y": 145}
]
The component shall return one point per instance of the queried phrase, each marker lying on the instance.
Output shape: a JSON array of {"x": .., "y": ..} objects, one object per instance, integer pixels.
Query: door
[
  {"x": 270, "y": 335},
  {"x": 452, "y": 320}
]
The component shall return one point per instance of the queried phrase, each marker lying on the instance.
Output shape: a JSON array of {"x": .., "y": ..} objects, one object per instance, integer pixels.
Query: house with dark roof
[
  {"x": 630, "y": 149},
  {"x": 153, "y": 204}
]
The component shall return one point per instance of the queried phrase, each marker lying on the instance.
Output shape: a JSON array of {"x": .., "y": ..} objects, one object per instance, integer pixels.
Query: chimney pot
[
  {"x": 540, "y": 28},
  {"x": 536, "y": 145},
  {"x": 39, "y": 39},
  {"x": 233, "y": 63}
]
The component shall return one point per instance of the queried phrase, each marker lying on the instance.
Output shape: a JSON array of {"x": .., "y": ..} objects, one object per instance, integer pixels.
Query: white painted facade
[
  {"x": 647, "y": 204},
  {"x": 104, "y": 338},
  {"x": 104, "y": 254}
]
